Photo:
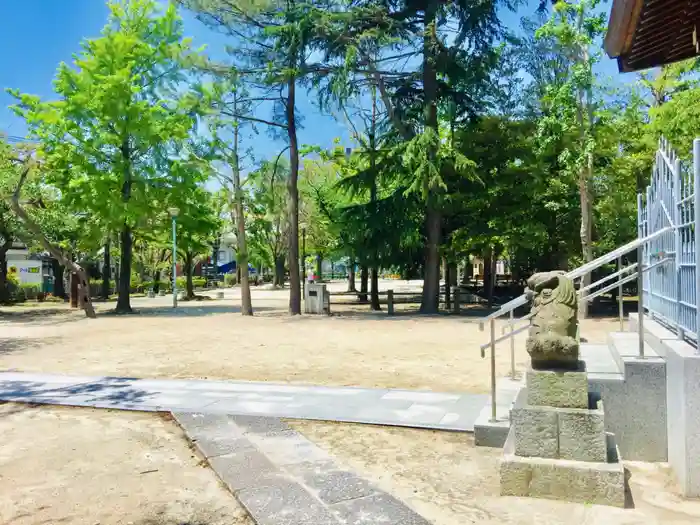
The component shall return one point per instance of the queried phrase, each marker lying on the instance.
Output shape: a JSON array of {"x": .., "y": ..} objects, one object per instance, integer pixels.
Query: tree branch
[{"x": 83, "y": 284}]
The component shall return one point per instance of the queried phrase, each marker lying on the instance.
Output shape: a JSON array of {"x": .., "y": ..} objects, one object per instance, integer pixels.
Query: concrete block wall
[{"x": 635, "y": 401}]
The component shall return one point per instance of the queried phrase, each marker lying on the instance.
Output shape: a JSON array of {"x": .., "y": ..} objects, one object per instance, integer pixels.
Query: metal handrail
[
  {"x": 579, "y": 272},
  {"x": 585, "y": 298}
]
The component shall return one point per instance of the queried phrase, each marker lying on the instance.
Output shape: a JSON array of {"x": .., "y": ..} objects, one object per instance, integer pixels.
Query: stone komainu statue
[{"x": 552, "y": 341}]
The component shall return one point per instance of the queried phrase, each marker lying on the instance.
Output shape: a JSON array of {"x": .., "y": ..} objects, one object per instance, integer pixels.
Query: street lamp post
[{"x": 174, "y": 213}]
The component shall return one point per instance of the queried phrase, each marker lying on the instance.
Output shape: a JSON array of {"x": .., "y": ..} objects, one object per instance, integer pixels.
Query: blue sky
[{"x": 36, "y": 35}]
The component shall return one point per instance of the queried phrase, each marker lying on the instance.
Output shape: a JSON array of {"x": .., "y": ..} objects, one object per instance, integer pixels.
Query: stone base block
[
  {"x": 582, "y": 434},
  {"x": 578, "y": 481},
  {"x": 564, "y": 389},
  {"x": 560, "y": 433},
  {"x": 535, "y": 431}
]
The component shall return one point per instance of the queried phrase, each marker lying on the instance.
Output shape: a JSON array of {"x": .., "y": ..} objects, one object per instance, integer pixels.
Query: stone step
[
  {"x": 489, "y": 433},
  {"x": 655, "y": 334},
  {"x": 601, "y": 364},
  {"x": 624, "y": 347}
]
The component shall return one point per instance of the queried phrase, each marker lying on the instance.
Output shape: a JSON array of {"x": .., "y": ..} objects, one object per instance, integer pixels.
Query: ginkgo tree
[{"x": 119, "y": 123}]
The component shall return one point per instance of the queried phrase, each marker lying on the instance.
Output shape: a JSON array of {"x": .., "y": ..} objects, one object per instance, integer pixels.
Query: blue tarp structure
[{"x": 231, "y": 267}]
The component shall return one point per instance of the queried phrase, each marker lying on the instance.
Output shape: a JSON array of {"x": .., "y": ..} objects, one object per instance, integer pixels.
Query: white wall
[{"x": 29, "y": 272}]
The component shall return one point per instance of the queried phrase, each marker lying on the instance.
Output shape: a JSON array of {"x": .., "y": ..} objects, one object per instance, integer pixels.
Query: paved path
[
  {"x": 282, "y": 478},
  {"x": 421, "y": 409}
]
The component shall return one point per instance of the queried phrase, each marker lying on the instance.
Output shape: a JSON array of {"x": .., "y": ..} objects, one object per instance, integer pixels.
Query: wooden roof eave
[{"x": 624, "y": 17}]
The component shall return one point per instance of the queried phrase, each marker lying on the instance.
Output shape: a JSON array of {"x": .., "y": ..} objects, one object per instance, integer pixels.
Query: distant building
[{"x": 28, "y": 267}]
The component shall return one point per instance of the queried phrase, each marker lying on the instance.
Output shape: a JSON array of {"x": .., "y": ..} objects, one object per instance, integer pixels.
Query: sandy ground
[
  {"x": 451, "y": 482},
  {"x": 92, "y": 467},
  {"x": 209, "y": 340}
]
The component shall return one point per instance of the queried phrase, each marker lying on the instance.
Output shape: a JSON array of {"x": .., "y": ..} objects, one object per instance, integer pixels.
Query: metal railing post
[
  {"x": 493, "y": 370},
  {"x": 676, "y": 196},
  {"x": 620, "y": 298},
  {"x": 511, "y": 322},
  {"x": 696, "y": 212},
  {"x": 640, "y": 295}
]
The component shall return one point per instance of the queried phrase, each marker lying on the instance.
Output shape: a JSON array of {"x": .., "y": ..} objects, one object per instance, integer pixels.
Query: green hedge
[
  {"x": 28, "y": 291},
  {"x": 145, "y": 286}
]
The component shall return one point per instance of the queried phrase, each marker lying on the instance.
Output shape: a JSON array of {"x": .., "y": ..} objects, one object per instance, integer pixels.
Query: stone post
[
  {"x": 456, "y": 300},
  {"x": 390, "y": 302}
]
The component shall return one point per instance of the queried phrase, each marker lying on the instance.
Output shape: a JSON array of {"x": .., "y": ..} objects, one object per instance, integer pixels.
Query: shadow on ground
[
  {"x": 40, "y": 315},
  {"x": 18, "y": 344},
  {"x": 104, "y": 393},
  {"x": 191, "y": 309}
]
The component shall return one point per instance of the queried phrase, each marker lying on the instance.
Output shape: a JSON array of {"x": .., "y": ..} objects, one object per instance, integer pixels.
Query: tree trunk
[
  {"x": 123, "y": 300},
  {"x": 189, "y": 285},
  {"x": 374, "y": 289},
  {"x": 242, "y": 252},
  {"x": 467, "y": 272},
  {"x": 157, "y": 272},
  {"x": 431, "y": 283},
  {"x": 351, "y": 276},
  {"x": 489, "y": 275},
  {"x": 4, "y": 283},
  {"x": 448, "y": 279},
  {"x": 58, "y": 289},
  {"x": 293, "y": 202},
  {"x": 374, "y": 274},
  {"x": 156, "y": 281},
  {"x": 363, "y": 284},
  {"x": 106, "y": 272},
  {"x": 319, "y": 267},
  {"x": 279, "y": 271}
]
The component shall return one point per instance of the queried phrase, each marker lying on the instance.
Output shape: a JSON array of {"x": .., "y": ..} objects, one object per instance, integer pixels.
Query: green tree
[
  {"x": 274, "y": 40},
  {"x": 111, "y": 139},
  {"x": 268, "y": 217},
  {"x": 229, "y": 110},
  {"x": 198, "y": 227},
  {"x": 575, "y": 27}
]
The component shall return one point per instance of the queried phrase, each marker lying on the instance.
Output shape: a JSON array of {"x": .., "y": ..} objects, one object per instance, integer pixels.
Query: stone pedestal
[{"x": 557, "y": 446}]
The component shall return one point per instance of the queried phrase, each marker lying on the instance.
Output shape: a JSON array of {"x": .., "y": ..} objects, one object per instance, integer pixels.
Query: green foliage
[{"x": 116, "y": 144}]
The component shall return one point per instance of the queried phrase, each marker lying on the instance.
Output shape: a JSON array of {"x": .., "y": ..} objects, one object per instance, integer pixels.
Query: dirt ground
[
  {"x": 100, "y": 467},
  {"x": 94, "y": 467},
  {"x": 210, "y": 340},
  {"x": 444, "y": 477}
]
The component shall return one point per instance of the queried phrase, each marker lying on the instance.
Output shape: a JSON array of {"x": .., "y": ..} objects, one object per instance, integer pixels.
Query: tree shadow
[
  {"x": 189, "y": 309},
  {"x": 18, "y": 344},
  {"x": 106, "y": 392},
  {"x": 40, "y": 315}
]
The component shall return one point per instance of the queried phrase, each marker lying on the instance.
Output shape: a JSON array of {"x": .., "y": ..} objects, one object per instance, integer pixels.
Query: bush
[
  {"x": 230, "y": 279},
  {"x": 96, "y": 287},
  {"x": 30, "y": 290}
]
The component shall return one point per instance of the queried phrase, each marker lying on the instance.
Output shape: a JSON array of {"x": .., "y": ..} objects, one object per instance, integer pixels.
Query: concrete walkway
[
  {"x": 282, "y": 478},
  {"x": 419, "y": 409}
]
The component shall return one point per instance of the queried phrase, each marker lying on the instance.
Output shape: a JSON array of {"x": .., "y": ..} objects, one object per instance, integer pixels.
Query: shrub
[
  {"x": 230, "y": 279},
  {"x": 199, "y": 282},
  {"x": 96, "y": 287},
  {"x": 12, "y": 279},
  {"x": 30, "y": 290}
]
